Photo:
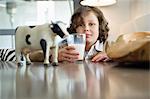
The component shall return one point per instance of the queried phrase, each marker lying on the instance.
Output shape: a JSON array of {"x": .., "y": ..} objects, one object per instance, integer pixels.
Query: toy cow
[{"x": 38, "y": 37}]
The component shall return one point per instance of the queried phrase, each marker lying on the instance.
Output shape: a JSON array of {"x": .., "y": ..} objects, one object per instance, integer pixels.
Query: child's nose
[{"x": 86, "y": 28}]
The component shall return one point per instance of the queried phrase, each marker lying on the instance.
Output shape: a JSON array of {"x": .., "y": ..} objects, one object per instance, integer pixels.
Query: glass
[{"x": 78, "y": 41}]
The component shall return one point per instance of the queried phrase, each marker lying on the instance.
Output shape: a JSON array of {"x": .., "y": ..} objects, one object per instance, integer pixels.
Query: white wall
[
  {"x": 6, "y": 41},
  {"x": 123, "y": 14}
]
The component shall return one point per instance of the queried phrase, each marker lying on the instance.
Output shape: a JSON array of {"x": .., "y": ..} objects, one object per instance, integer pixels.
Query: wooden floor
[{"x": 80, "y": 80}]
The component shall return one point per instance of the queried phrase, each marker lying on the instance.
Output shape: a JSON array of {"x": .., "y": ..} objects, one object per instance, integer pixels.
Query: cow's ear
[{"x": 51, "y": 25}]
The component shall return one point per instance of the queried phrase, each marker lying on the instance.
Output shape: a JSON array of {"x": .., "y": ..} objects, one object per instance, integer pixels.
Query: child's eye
[
  {"x": 91, "y": 24},
  {"x": 81, "y": 25}
]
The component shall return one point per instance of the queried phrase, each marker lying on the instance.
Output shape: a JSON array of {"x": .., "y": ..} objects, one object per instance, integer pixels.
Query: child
[{"x": 91, "y": 21}]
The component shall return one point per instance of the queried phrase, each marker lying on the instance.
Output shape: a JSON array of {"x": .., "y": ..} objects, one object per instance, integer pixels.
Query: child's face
[{"x": 90, "y": 27}]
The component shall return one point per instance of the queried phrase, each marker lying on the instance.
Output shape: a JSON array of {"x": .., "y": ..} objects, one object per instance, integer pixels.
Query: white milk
[{"x": 79, "y": 48}]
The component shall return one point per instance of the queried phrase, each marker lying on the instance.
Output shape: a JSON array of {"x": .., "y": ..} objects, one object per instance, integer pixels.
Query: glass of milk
[{"x": 77, "y": 40}]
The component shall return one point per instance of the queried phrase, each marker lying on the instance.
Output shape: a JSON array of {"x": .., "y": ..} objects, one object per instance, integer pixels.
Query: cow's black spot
[
  {"x": 31, "y": 26},
  {"x": 27, "y": 39},
  {"x": 43, "y": 45},
  {"x": 56, "y": 29}
]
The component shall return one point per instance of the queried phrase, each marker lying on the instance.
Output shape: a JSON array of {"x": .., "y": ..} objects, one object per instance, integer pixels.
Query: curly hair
[{"x": 77, "y": 19}]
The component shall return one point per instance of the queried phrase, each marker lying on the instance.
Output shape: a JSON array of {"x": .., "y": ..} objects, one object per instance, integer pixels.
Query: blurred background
[{"x": 124, "y": 16}]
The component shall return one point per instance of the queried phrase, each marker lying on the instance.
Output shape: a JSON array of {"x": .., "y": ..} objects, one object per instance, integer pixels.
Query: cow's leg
[
  {"x": 18, "y": 57},
  {"x": 46, "y": 59},
  {"x": 45, "y": 48},
  {"x": 55, "y": 56},
  {"x": 55, "y": 52}
]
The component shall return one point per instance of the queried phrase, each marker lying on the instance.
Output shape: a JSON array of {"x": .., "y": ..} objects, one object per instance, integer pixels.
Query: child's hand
[
  {"x": 101, "y": 56},
  {"x": 67, "y": 53}
]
